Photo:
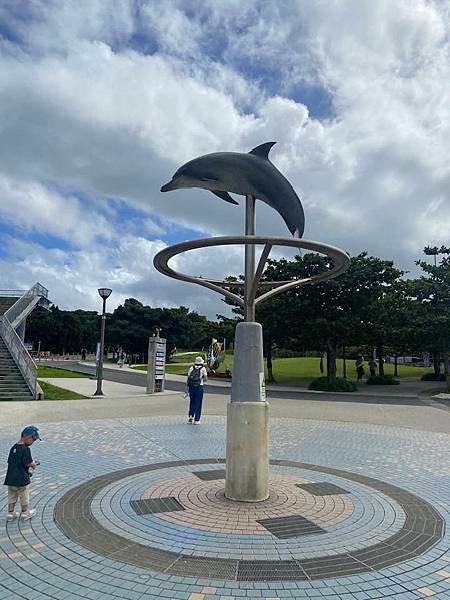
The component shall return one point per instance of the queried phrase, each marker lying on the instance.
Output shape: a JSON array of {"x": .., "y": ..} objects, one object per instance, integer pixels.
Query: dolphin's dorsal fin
[{"x": 263, "y": 150}]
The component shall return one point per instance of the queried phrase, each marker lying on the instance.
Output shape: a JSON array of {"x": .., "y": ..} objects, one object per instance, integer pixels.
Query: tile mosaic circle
[{"x": 318, "y": 522}]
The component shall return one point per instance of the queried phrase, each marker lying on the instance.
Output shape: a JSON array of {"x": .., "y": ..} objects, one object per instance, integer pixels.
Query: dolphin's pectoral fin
[
  {"x": 225, "y": 196},
  {"x": 263, "y": 150}
]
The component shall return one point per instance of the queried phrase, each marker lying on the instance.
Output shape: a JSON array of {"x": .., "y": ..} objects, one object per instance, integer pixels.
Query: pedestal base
[{"x": 247, "y": 467}]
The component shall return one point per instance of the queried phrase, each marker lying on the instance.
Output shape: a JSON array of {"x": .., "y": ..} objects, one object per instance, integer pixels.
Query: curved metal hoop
[{"x": 340, "y": 259}]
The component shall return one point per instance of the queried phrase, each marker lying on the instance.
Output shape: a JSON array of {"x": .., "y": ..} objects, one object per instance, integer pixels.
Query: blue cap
[{"x": 31, "y": 431}]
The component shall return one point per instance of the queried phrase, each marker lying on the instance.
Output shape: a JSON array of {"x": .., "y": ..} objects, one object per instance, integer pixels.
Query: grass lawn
[
  {"x": 44, "y": 371},
  {"x": 294, "y": 371},
  {"x": 300, "y": 371},
  {"x": 185, "y": 357},
  {"x": 177, "y": 369},
  {"x": 52, "y": 392},
  {"x": 171, "y": 368}
]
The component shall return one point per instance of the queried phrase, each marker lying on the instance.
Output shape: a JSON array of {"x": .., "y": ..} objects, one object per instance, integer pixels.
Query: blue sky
[{"x": 100, "y": 104}]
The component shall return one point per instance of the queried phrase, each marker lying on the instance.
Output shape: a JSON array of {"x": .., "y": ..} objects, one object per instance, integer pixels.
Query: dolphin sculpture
[{"x": 240, "y": 173}]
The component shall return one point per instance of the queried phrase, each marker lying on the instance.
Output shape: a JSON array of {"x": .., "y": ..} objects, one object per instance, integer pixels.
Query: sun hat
[
  {"x": 199, "y": 361},
  {"x": 31, "y": 431}
]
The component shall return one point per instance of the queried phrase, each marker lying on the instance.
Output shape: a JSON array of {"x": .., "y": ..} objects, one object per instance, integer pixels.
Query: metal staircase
[
  {"x": 12, "y": 383},
  {"x": 18, "y": 371}
]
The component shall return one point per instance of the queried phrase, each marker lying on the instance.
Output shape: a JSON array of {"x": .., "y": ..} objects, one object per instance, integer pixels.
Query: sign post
[{"x": 156, "y": 364}]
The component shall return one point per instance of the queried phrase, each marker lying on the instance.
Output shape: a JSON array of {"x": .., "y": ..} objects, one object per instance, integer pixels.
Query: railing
[
  {"x": 22, "y": 303},
  {"x": 12, "y": 293},
  {"x": 20, "y": 355}
]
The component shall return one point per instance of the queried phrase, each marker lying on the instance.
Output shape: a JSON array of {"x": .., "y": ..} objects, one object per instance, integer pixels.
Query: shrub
[
  {"x": 339, "y": 385},
  {"x": 382, "y": 380},
  {"x": 433, "y": 377}
]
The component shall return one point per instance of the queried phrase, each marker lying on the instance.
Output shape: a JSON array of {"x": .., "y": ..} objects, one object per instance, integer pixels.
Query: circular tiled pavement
[
  {"x": 345, "y": 490},
  {"x": 305, "y": 530}
]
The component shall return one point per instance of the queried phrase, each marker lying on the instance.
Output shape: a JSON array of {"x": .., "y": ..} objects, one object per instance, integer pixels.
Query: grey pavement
[
  {"x": 379, "y": 467},
  {"x": 86, "y": 386},
  {"x": 405, "y": 392},
  {"x": 158, "y": 456},
  {"x": 426, "y": 415}
]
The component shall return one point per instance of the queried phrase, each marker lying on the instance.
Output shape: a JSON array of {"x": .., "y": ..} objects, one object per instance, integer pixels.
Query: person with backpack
[{"x": 197, "y": 376}]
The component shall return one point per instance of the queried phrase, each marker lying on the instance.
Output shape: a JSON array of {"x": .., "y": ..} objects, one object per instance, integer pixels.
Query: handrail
[
  {"x": 16, "y": 347},
  {"x": 20, "y": 354},
  {"x": 12, "y": 293},
  {"x": 21, "y": 304}
]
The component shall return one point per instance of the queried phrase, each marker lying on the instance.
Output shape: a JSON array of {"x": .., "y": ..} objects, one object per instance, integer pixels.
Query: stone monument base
[{"x": 247, "y": 467}]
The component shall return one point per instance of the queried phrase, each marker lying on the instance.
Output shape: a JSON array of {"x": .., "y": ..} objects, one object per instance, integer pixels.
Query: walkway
[
  {"x": 410, "y": 390},
  {"x": 130, "y": 503}
]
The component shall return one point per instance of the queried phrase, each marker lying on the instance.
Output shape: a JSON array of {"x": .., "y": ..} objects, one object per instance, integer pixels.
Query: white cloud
[
  {"x": 126, "y": 266},
  {"x": 82, "y": 111},
  {"x": 32, "y": 207},
  {"x": 56, "y": 26}
]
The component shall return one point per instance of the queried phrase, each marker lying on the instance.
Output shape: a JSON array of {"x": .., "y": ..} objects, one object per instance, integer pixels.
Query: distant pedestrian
[
  {"x": 372, "y": 367},
  {"x": 18, "y": 476},
  {"x": 197, "y": 376},
  {"x": 359, "y": 364},
  {"x": 83, "y": 353},
  {"x": 121, "y": 360}
]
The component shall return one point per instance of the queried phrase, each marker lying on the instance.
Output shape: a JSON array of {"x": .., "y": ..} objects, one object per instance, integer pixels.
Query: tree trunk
[
  {"x": 331, "y": 362},
  {"x": 270, "y": 377},
  {"x": 447, "y": 369},
  {"x": 380, "y": 361},
  {"x": 344, "y": 363},
  {"x": 395, "y": 366},
  {"x": 436, "y": 363}
]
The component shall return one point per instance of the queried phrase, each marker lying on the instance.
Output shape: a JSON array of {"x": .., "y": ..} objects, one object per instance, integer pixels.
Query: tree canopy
[{"x": 372, "y": 305}]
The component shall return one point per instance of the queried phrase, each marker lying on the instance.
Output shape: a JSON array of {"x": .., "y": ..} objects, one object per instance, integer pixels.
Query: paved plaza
[{"x": 133, "y": 508}]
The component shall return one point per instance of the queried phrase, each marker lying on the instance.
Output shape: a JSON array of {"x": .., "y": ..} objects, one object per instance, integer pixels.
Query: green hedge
[
  {"x": 338, "y": 385},
  {"x": 433, "y": 377},
  {"x": 382, "y": 380}
]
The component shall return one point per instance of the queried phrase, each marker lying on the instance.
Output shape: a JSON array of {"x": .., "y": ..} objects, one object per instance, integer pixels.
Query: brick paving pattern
[
  {"x": 421, "y": 528},
  {"x": 207, "y": 509},
  {"x": 394, "y": 482}
]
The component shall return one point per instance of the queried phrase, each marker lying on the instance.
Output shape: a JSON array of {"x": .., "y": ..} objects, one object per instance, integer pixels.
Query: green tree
[
  {"x": 63, "y": 331},
  {"x": 344, "y": 310},
  {"x": 431, "y": 293}
]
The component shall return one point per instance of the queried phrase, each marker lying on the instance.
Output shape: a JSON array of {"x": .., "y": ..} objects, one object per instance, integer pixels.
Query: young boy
[{"x": 18, "y": 477}]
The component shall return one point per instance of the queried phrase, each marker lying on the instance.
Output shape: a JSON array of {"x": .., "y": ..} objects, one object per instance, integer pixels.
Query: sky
[{"x": 101, "y": 102}]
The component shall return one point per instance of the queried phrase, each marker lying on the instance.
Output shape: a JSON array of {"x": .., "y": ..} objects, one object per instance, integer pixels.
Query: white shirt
[{"x": 203, "y": 374}]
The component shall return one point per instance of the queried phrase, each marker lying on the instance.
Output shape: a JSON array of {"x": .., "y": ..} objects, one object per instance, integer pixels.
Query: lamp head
[{"x": 104, "y": 293}]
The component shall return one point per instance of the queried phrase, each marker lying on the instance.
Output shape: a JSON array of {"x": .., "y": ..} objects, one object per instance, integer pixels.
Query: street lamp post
[{"x": 104, "y": 294}]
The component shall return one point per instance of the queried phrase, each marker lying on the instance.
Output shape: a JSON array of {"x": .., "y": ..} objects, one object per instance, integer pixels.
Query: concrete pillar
[{"x": 247, "y": 455}]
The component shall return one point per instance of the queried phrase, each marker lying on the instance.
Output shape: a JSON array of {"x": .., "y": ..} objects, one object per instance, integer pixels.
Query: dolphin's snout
[{"x": 171, "y": 185}]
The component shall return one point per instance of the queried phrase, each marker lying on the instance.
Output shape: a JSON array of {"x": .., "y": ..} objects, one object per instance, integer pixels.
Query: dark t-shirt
[{"x": 18, "y": 459}]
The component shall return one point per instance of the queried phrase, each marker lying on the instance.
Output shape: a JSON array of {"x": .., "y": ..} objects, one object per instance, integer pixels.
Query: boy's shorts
[{"x": 20, "y": 493}]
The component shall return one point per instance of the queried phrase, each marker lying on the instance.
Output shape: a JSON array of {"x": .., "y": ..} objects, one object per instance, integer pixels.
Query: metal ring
[{"x": 340, "y": 259}]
